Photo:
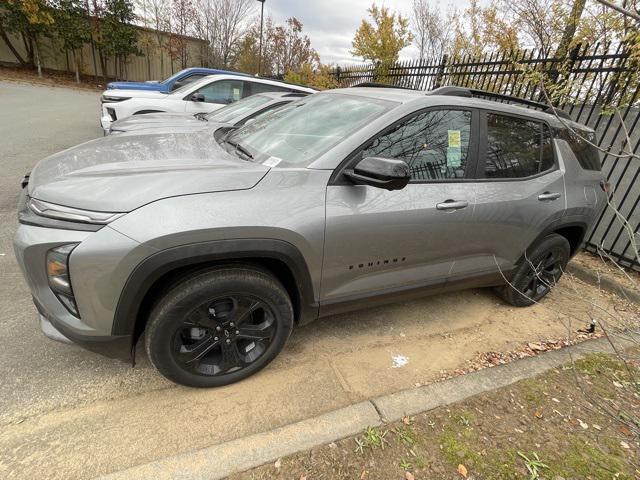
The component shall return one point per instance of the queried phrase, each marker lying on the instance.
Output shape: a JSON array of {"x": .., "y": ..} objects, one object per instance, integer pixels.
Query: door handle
[
  {"x": 549, "y": 196},
  {"x": 452, "y": 205}
]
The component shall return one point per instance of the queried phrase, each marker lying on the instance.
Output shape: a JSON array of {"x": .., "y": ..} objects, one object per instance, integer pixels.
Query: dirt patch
[
  {"x": 547, "y": 427},
  {"x": 51, "y": 78},
  {"x": 603, "y": 265}
]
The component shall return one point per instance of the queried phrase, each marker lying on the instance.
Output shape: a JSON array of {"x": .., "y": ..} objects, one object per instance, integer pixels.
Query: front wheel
[
  {"x": 219, "y": 327},
  {"x": 538, "y": 272}
]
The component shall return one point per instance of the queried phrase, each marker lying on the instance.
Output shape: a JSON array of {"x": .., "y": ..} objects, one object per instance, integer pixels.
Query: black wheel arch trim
[
  {"x": 151, "y": 269},
  {"x": 565, "y": 221}
]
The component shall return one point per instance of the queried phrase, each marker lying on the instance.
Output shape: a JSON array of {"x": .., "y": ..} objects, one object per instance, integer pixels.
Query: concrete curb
[
  {"x": 603, "y": 281},
  {"x": 219, "y": 461}
]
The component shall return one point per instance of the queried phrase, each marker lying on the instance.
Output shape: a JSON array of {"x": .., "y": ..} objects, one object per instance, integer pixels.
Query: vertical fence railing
[{"x": 603, "y": 92}]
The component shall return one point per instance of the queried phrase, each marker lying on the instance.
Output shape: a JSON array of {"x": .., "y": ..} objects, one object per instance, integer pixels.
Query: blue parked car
[{"x": 175, "y": 81}]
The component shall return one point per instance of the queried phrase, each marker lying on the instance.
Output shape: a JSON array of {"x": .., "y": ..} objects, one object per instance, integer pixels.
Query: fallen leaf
[
  {"x": 278, "y": 463},
  {"x": 409, "y": 476},
  {"x": 363, "y": 475},
  {"x": 406, "y": 420},
  {"x": 597, "y": 427},
  {"x": 555, "y": 400},
  {"x": 582, "y": 424},
  {"x": 625, "y": 430},
  {"x": 303, "y": 477},
  {"x": 462, "y": 470},
  {"x": 538, "y": 413},
  {"x": 536, "y": 346},
  {"x": 625, "y": 445},
  {"x": 617, "y": 384}
]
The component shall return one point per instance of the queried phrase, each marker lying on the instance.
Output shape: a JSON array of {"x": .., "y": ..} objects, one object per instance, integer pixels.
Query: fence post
[{"x": 441, "y": 69}]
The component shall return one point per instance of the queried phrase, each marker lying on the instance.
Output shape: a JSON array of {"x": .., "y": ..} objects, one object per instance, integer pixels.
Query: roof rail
[{"x": 473, "y": 92}]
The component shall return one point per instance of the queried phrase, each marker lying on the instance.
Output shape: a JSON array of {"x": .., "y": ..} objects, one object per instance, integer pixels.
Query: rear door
[
  {"x": 519, "y": 192},
  {"x": 379, "y": 241}
]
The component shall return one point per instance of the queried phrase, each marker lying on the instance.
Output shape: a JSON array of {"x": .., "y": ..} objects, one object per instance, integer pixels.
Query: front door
[
  {"x": 216, "y": 94},
  {"x": 381, "y": 241}
]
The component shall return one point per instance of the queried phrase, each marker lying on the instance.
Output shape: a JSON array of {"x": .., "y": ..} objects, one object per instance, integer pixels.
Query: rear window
[{"x": 587, "y": 155}]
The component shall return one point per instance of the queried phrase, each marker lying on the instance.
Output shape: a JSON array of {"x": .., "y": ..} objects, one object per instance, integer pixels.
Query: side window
[
  {"x": 516, "y": 147},
  {"x": 255, "y": 88},
  {"x": 435, "y": 144},
  {"x": 223, "y": 91},
  {"x": 581, "y": 142}
]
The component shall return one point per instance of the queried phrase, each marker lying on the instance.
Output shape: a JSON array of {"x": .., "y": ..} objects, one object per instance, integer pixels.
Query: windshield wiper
[{"x": 239, "y": 148}]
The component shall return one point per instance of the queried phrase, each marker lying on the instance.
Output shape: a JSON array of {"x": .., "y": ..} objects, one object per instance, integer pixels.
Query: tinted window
[
  {"x": 265, "y": 87},
  {"x": 223, "y": 91},
  {"x": 435, "y": 144},
  {"x": 587, "y": 155},
  {"x": 516, "y": 147}
]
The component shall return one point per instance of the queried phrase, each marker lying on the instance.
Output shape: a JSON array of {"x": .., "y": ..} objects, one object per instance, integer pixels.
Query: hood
[
  {"x": 123, "y": 172},
  {"x": 152, "y": 120},
  {"x": 135, "y": 86}
]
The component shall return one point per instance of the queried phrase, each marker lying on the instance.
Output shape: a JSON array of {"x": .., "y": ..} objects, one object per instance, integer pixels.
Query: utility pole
[{"x": 261, "y": 23}]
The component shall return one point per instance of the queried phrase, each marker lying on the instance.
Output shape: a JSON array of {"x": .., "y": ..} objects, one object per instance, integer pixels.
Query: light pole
[{"x": 261, "y": 23}]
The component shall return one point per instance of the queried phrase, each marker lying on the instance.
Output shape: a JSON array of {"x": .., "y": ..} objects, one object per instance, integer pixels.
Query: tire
[
  {"x": 551, "y": 255},
  {"x": 219, "y": 327}
]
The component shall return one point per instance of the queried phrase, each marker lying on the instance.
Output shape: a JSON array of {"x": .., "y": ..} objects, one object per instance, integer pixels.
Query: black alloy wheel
[
  {"x": 538, "y": 271},
  {"x": 224, "y": 335},
  {"x": 219, "y": 326}
]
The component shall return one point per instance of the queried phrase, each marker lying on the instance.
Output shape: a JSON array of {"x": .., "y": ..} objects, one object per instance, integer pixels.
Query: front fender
[{"x": 150, "y": 270}]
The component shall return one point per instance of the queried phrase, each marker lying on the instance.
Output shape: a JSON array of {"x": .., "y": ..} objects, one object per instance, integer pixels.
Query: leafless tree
[
  {"x": 432, "y": 30},
  {"x": 225, "y": 23}
]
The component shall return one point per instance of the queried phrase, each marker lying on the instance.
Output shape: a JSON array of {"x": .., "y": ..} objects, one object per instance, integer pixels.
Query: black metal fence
[{"x": 601, "y": 88}]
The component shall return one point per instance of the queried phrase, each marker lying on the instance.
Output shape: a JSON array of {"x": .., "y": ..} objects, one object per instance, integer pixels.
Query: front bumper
[
  {"x": 94, "y": 278},
  {"x": 105, "y": 123},
  {"x": 117, "y": 347}
]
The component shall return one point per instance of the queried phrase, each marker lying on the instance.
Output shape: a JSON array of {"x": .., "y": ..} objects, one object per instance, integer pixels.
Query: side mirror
[
  {"x": 380, "y": 172},
  {"x": 197, "y": 97}
]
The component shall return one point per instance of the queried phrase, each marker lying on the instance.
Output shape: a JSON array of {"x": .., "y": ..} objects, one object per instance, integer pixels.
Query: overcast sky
[{"x": 331, "y": 24}]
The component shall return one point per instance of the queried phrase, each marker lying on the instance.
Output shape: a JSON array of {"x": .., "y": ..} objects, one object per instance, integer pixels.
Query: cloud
[{"x": 331, "y": 24}]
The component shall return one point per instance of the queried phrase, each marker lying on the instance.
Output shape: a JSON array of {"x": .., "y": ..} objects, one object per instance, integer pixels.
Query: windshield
[
  {"x": 235, "y": 110},
  {"x": 295, "y": 136},
  {"x": 171, "y": 78}
]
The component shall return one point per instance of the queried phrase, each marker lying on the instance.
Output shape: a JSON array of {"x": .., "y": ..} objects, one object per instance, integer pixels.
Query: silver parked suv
[{"x": 215, "y": 244}]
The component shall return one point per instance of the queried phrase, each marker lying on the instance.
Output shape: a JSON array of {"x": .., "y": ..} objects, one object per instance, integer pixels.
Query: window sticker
[
  {"x": 453, "y": 156},
  {"x": 454, "y": 138},
  {"x": 272, "y": 162}
]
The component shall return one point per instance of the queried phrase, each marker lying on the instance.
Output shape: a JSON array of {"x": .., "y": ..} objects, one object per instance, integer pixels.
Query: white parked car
[{"x": 202, "y": 96}]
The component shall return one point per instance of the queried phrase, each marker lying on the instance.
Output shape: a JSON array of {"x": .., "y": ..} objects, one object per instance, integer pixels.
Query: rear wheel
[
  {"x": 538, "y": 272},
  {"x": 219, "y": 327}
]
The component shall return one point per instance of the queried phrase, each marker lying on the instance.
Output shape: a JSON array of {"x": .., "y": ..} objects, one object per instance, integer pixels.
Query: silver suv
[{"x": 215, "y": 245}]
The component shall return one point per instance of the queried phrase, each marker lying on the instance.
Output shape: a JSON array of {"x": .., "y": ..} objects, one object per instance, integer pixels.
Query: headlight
[
  {"x": 112, "y": 99},
  {"x": 58, "y": 276},
  {"x": 58, "y": 212}
]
